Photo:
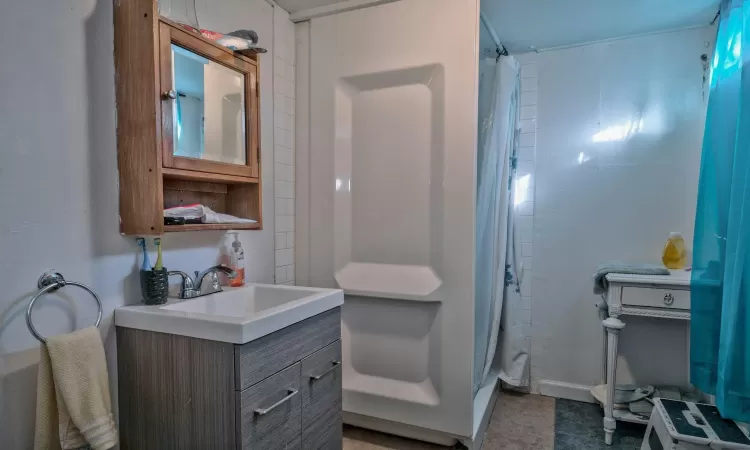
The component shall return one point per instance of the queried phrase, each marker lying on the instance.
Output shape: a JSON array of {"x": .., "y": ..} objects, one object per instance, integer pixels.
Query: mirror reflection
[{"x": 208, "y": 109}]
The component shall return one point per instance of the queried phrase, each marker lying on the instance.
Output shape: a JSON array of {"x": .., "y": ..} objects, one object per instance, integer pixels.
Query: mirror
[{"x": 208, "y": 110}]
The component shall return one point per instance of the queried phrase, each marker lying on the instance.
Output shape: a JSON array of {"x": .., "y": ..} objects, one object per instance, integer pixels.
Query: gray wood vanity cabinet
[{"x": 281, "y": 391}]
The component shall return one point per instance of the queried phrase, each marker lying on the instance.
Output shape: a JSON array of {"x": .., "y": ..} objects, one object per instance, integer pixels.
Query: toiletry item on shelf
[
  {"x": 675, "y": 254},
  {"x": 249, "y": 35},
  {"x": 237, "y": 261},
  {"x": 243, "y": 41},
  {"x": 203, "y": 213},
  {"x": 180, "y": 221},
  {"x": 146, "y": 263},
  {"x": 252, "y": 37},
  {"x": 158, "y": 265}
]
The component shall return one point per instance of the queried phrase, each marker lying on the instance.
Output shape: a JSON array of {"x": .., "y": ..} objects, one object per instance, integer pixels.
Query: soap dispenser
[{"x": 237, "y": 261}]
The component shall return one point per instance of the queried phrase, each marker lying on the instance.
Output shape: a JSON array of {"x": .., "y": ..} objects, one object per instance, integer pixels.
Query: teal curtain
[{"x": 720, "y": 285}]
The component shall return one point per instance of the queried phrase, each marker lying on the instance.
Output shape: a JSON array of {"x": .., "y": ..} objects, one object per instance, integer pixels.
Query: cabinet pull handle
[
  {"x": 333, "y": 367},
  {"x": 264, "y": 411},
  {"x": 668, "y": 299}
]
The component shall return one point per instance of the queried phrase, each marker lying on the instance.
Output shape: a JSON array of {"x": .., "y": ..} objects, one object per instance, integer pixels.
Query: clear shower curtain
[
  {"x": 498, "y": 314},
  {"x": 720, "y": 284}
]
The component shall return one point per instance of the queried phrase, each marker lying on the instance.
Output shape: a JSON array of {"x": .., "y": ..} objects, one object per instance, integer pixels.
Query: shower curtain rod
[{"x": 501, "y": 50}]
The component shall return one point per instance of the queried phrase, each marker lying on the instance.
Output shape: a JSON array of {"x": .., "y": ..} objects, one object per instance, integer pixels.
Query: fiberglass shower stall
[{"x": 386, "y": 179}]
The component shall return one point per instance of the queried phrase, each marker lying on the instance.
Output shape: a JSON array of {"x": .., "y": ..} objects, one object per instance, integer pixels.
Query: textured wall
[
  {"x": 617, "y": 151},
  {"x": 58, "y": 178}
]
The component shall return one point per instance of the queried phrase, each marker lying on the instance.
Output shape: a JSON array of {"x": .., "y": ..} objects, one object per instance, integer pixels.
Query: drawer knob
[{"x": 668, "y": 299}]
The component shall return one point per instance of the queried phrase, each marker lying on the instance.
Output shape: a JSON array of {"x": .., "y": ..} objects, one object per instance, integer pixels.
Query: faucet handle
[{"x": 187, "y": 289}]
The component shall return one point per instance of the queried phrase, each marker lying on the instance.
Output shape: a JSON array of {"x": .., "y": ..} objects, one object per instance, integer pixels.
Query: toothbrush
[
  {"x": 146, "y": 263},
  {"x": 158, "y": 265}
]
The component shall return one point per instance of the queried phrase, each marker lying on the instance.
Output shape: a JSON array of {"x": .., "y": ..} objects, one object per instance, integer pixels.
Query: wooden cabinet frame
[
  {"x": 151, "y": 178},
  {"x": 170, "y": 33}
]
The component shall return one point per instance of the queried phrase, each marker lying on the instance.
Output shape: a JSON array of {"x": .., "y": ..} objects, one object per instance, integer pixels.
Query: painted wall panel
[
  {"x": 58, "y": 179},
  {"x": 618, "y": 144},
  {"x": 391, "y": 203}
]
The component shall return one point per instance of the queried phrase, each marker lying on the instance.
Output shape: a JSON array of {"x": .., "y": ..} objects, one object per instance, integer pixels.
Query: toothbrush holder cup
[{"x": 154, "y": 286}]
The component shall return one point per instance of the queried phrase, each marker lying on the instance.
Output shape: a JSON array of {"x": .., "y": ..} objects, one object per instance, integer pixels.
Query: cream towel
[{"x": 73, "y": 407}]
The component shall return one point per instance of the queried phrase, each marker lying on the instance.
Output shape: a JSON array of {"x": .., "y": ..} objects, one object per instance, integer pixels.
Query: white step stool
[{"x": 678, "y": 425}]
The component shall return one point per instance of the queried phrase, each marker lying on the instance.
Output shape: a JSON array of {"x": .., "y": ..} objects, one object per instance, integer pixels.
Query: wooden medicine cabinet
[{"x": 188, "y": 124}]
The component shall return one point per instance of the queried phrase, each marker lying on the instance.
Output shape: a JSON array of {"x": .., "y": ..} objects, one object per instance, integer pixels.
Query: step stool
[{"x": 678, "y": 425}]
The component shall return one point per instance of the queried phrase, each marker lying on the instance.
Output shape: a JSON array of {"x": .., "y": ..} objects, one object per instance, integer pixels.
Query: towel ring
[{"x": 50, "y": 282}]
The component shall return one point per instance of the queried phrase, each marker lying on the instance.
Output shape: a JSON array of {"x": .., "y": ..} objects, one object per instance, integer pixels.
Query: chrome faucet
[
  {"x": 194, "y": 287},
  {"x": 215, "y": 285}
]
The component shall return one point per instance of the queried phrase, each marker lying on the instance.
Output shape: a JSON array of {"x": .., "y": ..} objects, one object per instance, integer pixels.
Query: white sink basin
[{"x": 237, "y": 315}]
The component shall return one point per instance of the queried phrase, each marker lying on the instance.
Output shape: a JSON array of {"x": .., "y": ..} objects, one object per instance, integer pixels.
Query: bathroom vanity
[{"x": 257, "y": 367}]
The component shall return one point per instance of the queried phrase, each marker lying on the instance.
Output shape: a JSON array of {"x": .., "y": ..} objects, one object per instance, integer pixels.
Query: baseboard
[
  {"x": 399, "y": 429},
  {"x": 570, "y": 391}
]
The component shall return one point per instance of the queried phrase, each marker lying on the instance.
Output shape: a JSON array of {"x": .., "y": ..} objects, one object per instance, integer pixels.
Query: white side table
[{"x": 660, "y": 296}]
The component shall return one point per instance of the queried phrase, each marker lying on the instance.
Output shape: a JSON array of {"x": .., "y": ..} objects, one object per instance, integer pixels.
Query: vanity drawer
[
  {"x": 269, "y": 412},
  {"x": 656, "y": 298},
  {"x": 321, "y": 399},
  {"x": 261, "y": 358}
]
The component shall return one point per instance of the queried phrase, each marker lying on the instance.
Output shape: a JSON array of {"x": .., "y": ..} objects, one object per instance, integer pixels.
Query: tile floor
[
  {"x": 579, "y": 426},
  {"x": 522, "y": 422}
]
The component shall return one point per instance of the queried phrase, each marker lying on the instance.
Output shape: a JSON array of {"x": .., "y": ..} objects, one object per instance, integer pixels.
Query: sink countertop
[{"x": 237, "y": 315}]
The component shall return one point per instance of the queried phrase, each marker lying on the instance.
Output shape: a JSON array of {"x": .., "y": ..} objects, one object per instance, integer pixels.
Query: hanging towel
[
  {"x": 600, "y": 277},
  {"x": 73, "y": 404}
]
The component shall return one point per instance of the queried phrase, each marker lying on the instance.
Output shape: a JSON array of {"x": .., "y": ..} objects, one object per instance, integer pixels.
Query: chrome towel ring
[{"x": 50, "y": 282}]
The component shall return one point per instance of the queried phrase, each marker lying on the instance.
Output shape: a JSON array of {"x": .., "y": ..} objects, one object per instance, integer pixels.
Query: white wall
[
  {"x": 386, "y": 168},
  {"x": 58, "y": 179},
  {"x": 526, "y": 180},
  {"x": 284, "y": 87},
  {"x": 600, "y": 196}
]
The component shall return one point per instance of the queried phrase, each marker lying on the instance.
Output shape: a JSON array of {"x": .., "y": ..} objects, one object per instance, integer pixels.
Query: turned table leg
[
  {"x": 603, "y": 314},
  {"x": 613, "y": 325}
]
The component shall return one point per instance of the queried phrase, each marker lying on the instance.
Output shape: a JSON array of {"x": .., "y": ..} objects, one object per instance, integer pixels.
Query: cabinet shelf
[
  {"x": 211, "y": 226},
  {"x": 191, "y": 175}
]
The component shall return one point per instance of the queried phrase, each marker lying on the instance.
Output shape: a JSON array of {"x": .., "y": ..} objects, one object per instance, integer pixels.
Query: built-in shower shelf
[{"x": 388, "y": 280}]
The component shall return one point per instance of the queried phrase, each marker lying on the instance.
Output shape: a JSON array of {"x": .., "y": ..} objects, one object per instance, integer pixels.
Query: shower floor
[{"x": 523, "y": 422}]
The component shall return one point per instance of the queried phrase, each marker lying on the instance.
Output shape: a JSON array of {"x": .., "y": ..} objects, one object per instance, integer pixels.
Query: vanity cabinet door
[
  {"x": 321, "y": 399},
  {"x": 269, "y": 412}
]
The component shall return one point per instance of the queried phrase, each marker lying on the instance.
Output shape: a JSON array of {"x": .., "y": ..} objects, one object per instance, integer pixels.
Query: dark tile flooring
[{"x": 579, "y": 426}]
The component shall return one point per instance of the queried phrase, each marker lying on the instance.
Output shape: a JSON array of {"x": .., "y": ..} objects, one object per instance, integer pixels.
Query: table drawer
[
  {"x": 656, "y": 298},
  {"x": 261, "y": 358},
  {"x": 269, "y": 412}
]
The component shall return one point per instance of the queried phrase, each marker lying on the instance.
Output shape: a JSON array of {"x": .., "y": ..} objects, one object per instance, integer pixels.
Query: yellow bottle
[{"x": 674, "y": 252}]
